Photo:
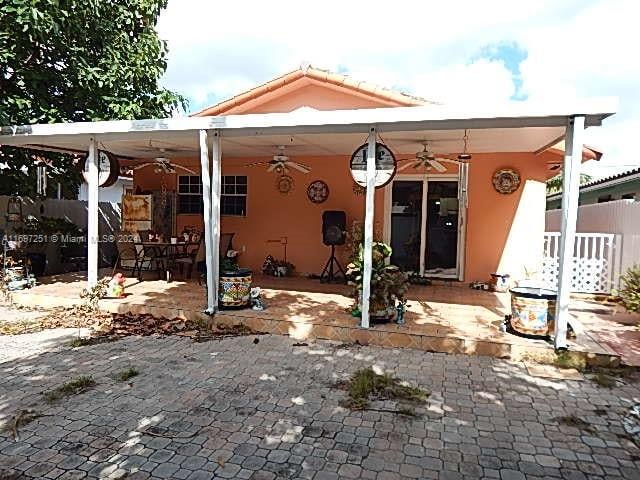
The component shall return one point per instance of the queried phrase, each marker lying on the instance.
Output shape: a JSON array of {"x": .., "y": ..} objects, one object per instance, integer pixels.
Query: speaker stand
[{"x": 330, "y": 273}]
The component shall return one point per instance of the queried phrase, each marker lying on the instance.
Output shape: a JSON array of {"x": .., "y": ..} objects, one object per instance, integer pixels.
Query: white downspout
[{"x": 570, "y": 193}]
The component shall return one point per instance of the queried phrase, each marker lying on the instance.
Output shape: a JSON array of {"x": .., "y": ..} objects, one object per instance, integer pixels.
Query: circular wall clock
[
  {"x": 318, "y": 191},
  {"x": 284, "y": 184},
  {"x": 108, "y": 169},
  {"x": 385, "y": 165},
  {"x": 506, "y": 180}
]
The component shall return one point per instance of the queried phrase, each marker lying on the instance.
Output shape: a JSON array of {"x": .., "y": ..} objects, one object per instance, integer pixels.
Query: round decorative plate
[
  {"x": 318, "y": 191},
  {"x": 506, "y": 180},
  {"x": 284, "y": 184}
]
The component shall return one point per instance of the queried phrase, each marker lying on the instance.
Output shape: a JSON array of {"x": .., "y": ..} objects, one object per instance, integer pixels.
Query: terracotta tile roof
[{"x": 384, "y": 94}]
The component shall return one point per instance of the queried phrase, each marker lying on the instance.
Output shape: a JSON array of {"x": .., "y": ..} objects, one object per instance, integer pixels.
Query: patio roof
[{"x": 324, "y": 132}]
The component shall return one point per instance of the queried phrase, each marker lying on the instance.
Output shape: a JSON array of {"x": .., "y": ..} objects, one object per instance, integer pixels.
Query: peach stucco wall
[
  {"x": 307, "y": 92},
  {"x": 272, "y": 215},
  {"x": 504, "y": 232}
]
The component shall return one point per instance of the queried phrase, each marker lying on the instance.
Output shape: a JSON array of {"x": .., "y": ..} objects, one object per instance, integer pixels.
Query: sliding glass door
[
  {"x": 425, "y": 226},
  {"x": 441, "y": 249}
]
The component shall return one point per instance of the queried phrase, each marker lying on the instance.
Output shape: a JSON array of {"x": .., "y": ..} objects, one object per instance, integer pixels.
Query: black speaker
[{"x": 334, "y": 225}]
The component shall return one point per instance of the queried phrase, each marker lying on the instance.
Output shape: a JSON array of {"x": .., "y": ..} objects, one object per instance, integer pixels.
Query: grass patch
[
  {"x": 74, "y": 387},
  {"x": 366, "y": 385},
  {"x": 127, "y": 374},
  {"x": 604, "y": 380},
  {"x": 575, "y": 421},
  {"x": 569, "y": 360}
]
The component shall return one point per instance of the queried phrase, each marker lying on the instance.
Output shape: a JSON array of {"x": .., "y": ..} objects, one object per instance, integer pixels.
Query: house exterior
[
  {"x": 460, "y": 221},
  {"x": 621, "y": 186},
  {"x": 497, "y": 232}
]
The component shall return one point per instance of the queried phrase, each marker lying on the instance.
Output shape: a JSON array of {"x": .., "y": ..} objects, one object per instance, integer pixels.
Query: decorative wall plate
[
  {"x": 318, "y": 191},
  {"x": 506, "y": 180},
  {"x": 284, "y": 184}
]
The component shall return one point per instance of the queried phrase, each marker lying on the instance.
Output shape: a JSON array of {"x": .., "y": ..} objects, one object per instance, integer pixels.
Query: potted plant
[
  {"x": 388, "y": 283},
  {"x": 235, "y": 282}
]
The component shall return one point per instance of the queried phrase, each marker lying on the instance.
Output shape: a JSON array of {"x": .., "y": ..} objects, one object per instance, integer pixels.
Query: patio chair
[
  {"x": 131, "y": 258},
  {"x": 199, "y": 260}
]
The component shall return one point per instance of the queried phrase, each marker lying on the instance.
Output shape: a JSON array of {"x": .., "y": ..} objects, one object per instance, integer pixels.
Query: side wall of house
[{"x": 504, "y": 232}]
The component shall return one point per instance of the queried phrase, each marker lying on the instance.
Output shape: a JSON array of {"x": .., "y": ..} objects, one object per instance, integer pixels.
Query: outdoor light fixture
[{"x": 14, "y": 209}]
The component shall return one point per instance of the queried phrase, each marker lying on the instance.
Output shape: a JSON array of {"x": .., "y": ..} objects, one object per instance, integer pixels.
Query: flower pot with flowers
[{"x": 388, "y": 284}]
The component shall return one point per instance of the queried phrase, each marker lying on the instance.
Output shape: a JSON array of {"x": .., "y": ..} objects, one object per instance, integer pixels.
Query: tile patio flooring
[{"x": 443, "y": 318}]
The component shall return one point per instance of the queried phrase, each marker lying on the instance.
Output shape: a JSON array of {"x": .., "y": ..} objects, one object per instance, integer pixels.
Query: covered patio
[{"x": 440, "y": 317}]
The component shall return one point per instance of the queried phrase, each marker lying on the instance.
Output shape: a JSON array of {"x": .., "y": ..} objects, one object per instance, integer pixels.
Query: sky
[{"x": 469, "y": 52}]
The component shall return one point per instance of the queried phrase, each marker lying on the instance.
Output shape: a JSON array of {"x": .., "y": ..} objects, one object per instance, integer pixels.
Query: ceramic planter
[
  {"x": 235, "y": 289},
  {"x": 533, "y": 310}
]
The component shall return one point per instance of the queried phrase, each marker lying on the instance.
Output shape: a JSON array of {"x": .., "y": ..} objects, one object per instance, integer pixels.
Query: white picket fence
[{"x": 599, "y": 260}]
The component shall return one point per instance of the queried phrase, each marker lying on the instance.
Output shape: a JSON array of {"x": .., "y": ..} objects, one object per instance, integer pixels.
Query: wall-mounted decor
[
  {"x": 284, "y": 184},
  {"x": 108, "y": 169},
  {"x": 385, "y": 165},
  {"x": 318, "y": 191},
  {"x": 506, "y": 180}
]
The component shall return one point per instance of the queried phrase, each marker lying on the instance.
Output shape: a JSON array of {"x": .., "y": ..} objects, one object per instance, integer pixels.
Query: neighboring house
[
  {"x": 499, "y": 232},
  {"x": 621, "y": 186}
]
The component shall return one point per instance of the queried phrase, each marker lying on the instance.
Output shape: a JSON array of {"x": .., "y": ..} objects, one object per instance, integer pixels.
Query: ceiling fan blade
[
  {"x": 409, "y": 164},
  {"x": 142, "y": 165},
  {"x": 188, "y": 170},
  {"x": 298, "y": 166},
  {"x": 254, "y": 164},
  {"x": 437, "y": 165}
]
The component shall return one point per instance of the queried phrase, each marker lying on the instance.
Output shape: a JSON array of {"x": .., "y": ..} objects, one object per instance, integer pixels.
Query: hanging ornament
[{"x": 284, "y": 184}]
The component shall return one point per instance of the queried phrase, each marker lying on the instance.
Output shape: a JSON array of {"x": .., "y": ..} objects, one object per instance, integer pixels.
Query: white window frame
[
  {"x": 179, "y": 193},
  {"x": 462, "y": 216},
  {"x": 245, "y": 195}
]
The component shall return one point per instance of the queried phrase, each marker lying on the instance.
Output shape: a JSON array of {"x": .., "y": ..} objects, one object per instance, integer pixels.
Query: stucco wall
[{"x": 504, "y": 232}]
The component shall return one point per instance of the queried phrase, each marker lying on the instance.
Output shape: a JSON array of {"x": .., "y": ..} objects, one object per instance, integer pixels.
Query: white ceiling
[{"x": 186, "y": 144}]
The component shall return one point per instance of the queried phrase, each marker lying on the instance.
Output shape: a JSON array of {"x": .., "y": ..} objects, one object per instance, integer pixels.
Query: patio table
[{"x": 163, "y": 254}]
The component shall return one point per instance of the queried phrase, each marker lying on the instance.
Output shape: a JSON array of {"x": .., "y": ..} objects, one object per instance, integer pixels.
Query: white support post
[
  {"x": 570, "y": 192},
  {"x": 206, "y": 199},
  {"x": 368, "y": 228},
  {"x": 92, "y": 213},
  {"x": 216, "y": 181}
]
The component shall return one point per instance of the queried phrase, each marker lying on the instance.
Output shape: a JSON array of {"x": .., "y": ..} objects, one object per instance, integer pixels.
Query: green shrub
[{"x": 630, "y": 292}]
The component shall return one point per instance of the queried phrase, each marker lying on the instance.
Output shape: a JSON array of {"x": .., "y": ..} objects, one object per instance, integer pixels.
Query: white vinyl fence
[
  {"x": 593, "y": 261},
  {"x": 607, "y": 245}
]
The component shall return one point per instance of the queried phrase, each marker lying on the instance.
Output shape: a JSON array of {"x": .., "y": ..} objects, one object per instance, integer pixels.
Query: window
[
  {"x": 234, "y": 195},
  {"x": 189, "y": 194},
  {"x": 629, "y": 196},
  {"x": 604, "y": 198},
  {"x": 233, "y": 200}
]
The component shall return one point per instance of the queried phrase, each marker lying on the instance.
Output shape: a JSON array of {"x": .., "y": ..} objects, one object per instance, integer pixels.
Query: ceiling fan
[
  {"x": 162, "y": 164},
  {"x": 428, "y": 160},
  {"x": 281, "y": 164}
]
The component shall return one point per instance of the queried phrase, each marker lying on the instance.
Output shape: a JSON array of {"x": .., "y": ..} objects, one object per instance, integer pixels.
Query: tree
[
  {"x": 76, "y": 60},
  {"x": 554, "y": 184}
]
